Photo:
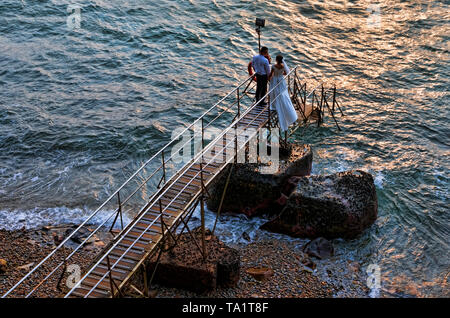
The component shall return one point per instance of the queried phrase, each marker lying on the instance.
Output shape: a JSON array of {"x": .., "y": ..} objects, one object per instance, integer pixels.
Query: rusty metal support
[
  {"x": 112, "y": 283},
  {"x": 164, "y": 166},
  {"x": 289, "y": 84},
  {"x": 192, "y": 236},
  {"x": 223, "y": 197},
  {"x": 162, "y": 224},
  {"x": 334, "y": 98},
  {"x": 137, "y": 290},
  {"x": 335, "y": 102},
  {"x": 203, "y": 135},
  {"x": 185, "y": 222},
  {"x": 304, "y": 96},
  {"x": 202, "y": 212},
  {"x": 202, "y": 215},
  {"x": 169, "y": 228},
  {"x": 58, "y": 285},
  {"x": 119, "y": 213},
  {"x": 239, "y": 103},
  {"x": 163, "y": 229},
  {"x": 322, "y": 97},
  {"x": 144, "y": 274}
]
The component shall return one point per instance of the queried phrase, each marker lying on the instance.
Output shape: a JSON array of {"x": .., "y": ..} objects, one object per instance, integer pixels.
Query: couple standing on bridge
[{"x": 278, "y": 90}]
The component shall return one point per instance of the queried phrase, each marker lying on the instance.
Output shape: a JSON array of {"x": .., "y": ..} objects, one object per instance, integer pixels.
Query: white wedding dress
[{"x": 280, "y": 100}]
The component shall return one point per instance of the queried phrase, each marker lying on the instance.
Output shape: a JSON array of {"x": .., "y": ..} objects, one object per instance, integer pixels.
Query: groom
[{"x": 262, "y": 69}]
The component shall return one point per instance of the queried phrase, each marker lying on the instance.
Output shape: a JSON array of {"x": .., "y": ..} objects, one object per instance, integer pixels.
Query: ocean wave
[{"x": 37, "y": 218}]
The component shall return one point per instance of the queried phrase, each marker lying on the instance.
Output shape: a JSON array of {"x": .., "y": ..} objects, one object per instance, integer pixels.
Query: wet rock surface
[
  {"x": 340, "y": 205},
  {"x": 251, "y": 192},
  {"x": 320, "y": 248},
  {"x": 292, "y": 271},
  {"x": 295, "y": 161}
]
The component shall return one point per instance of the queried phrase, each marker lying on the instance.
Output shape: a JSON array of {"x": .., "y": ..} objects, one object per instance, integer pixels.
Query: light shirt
[{"x": 261, "y": 65}]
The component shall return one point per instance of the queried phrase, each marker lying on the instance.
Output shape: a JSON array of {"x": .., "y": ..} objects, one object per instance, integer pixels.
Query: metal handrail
[
  {"x": 112, "y": 196},
  {"x": 200, "y": 156},
  {"x": 158, "y": 194},
  {"x": 141, "y": 214}
]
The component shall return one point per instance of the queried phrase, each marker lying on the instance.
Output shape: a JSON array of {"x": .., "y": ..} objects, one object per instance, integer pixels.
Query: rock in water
[
  {"x": 250, "y": 192},
  {"x": 296, "y": 161},
  {"x": 246, "y": 237},
  {"x": 340, "y": 205},
  {"x": 306, "y": 261},
  {"x": 3, "y": 266},
  {"x": 319, "y": 247}
]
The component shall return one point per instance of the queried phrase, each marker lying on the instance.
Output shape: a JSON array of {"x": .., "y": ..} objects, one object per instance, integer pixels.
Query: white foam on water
[
  {"x": 17, "y": 176},
  {"x": 441, "y": 189},
  {"x": 36, "y": 218},
  {"x": 379, "y": 180},
  {"x": 230, "y": 228},
  {"x": 328, "y": 169}
]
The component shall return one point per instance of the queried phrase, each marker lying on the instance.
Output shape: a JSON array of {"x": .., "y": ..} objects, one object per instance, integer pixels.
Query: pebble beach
[{"x": 290, "y": 278}]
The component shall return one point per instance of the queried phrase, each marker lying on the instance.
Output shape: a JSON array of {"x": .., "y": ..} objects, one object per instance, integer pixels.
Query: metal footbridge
[{"x": 164, "y": 192}]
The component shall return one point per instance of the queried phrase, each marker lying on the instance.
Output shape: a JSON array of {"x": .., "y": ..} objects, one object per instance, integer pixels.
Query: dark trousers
[{"x": 261, "y": 86}]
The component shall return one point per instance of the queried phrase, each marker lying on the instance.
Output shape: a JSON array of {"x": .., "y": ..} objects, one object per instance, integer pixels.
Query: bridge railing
[
  {"x": 239, "y": 146},
  {"x": 161, "y": 166},
  {"x": 161, "y": 169},
  {"x": 312, "y": 103},
  {"x": 238, "y": 142}
]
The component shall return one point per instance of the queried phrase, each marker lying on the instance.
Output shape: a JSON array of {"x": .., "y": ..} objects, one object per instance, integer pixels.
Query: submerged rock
[
  {"x": 340, "y": 205},
  {"x": 320, "y": 248},
  {"x": 246, "y": 237}
]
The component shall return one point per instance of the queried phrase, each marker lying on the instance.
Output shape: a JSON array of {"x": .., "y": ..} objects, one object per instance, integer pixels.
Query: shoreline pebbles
[{"x": 290, "y": 275}]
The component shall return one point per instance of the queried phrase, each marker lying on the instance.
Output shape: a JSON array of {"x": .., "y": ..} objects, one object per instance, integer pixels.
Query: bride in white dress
[{"x": 279, "y": 97}]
